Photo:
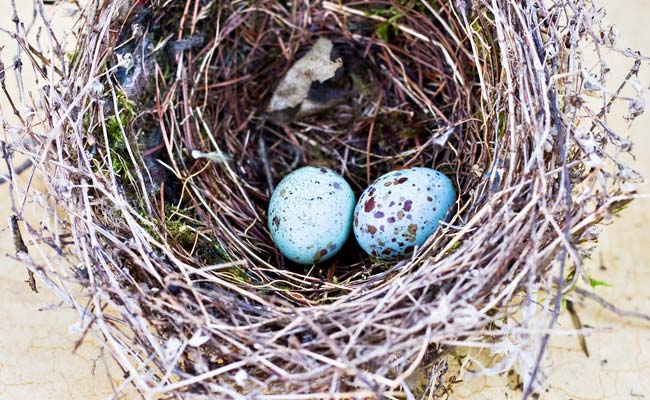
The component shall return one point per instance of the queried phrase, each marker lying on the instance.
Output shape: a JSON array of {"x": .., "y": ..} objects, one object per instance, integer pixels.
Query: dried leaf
[
  {"x": 314, "y": 66},
  {"x": 214, "y": 156}
]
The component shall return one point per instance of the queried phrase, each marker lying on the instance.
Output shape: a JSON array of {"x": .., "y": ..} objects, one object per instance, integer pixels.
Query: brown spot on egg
[
  {"x": 319, "y": 255},
  {"x": 381, "y": 242},
  {"x": 412, "y": 230},
  {"x": 387, "y": 184},
  {"x": 429, "y": 198},
  {"x": 400, "y": 215},
  {"x": 401, "y": 180},
  {"x": 276, "y": 221},
  {"x": 282, "y": 192},
  {"x": 369, "y": 205},
  {"x": 356, "y": 221},
  {"x": 407, "y": 205},
  {"x": 387, "y": 252},
  {"x": 372, "y": 230},
  {"x": 371, "y": 191},
  {"x": 409, "y": 249}
]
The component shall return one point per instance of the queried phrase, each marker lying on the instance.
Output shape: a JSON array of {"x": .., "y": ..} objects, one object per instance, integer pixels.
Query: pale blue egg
[
  {"x": 310, "y": 214},
  {"x": 401, "y": 210}
]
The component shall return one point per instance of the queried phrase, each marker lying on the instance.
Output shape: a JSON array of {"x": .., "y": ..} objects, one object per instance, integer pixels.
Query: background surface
[{"x": 36, "y": 345}]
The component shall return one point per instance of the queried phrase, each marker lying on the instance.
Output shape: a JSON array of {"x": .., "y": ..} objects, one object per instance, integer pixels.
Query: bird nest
[{"x": 161, "y": 145}]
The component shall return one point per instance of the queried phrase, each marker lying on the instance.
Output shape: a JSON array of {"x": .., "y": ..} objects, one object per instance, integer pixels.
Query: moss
[
  {"x": 456, "y": 245},
  {"x": 502, "y": 125},
  {"x": 182, "y": 233},
  {"x": 181, "y": 229},
  {"x": 114, "y": 124},
  {"x": 211, "y": 253},
  {"x": 239, "y": 275},
  {"x": 387, "y": 31},
  {"x": 418, "y": 5}
]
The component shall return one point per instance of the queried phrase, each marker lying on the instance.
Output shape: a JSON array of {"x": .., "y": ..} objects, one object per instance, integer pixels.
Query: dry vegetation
[{"x": 160, "y": 161}]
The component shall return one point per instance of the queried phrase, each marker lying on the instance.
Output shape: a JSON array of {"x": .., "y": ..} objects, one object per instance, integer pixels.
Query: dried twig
[
  {"x": 611, "y": 307},
  {"x": 21, "y": 249}
]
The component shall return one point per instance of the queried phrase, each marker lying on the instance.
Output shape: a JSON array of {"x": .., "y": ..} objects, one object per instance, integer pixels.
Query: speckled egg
[
  {"x": 400, "y": 210},
  {"x": 310, "y": 214}
]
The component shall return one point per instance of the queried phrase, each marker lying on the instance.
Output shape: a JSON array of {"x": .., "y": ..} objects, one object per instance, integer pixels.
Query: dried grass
[{"x": 181, "y": 280}]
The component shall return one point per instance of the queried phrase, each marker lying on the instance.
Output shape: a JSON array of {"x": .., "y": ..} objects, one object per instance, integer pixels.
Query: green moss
[
  {"x": 502, "y": 124},
  {"x": 387, "y": 31},
  {"x": 456, "y": 245},
  {"x": 114, "y": 125},
  {"x": 240, "y": 275},
  {"x": 182, "y": 233},
  {"x": 211, "y": 253},
  {"x": 418, "y": 5}
]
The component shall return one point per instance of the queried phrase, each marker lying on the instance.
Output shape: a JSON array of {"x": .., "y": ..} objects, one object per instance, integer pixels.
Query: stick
[{"x": 21, "y": 249}]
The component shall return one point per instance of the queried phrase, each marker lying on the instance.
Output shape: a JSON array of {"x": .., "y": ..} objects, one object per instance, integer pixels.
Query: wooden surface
[{"x": 36, "y": 343}]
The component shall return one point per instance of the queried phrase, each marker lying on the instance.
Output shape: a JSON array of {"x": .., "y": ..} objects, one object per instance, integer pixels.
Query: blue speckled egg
[
  {"x": 310, "y": 214},
  {"x": 400, "y": 210}
]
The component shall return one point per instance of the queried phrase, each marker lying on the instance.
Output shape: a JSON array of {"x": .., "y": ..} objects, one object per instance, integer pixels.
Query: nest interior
[
  {"x": 397, "y": 101},
  {"x": 165, "y": 159}
]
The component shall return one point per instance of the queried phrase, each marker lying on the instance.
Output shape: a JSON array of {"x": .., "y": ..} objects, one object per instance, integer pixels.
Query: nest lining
[
  {"x": 180, "y": 242},
  {"x": 376, "y": 124}
]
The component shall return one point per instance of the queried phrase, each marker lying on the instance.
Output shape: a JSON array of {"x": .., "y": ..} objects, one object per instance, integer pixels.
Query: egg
[
  {"x": 401, "y": 210},
  {"x": 310, "y": 214}
]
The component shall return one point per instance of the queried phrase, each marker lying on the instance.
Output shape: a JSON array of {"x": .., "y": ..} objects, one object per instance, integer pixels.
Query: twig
[
  {"x": 21, "y": 249},
  {"x": 609, "y": 306},
  {"x": 578, "y": 325},
  {"x": 24, "y": 166}
]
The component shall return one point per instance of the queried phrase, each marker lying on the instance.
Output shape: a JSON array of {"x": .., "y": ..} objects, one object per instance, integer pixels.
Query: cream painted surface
[{"x": 36, "y": 349}]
